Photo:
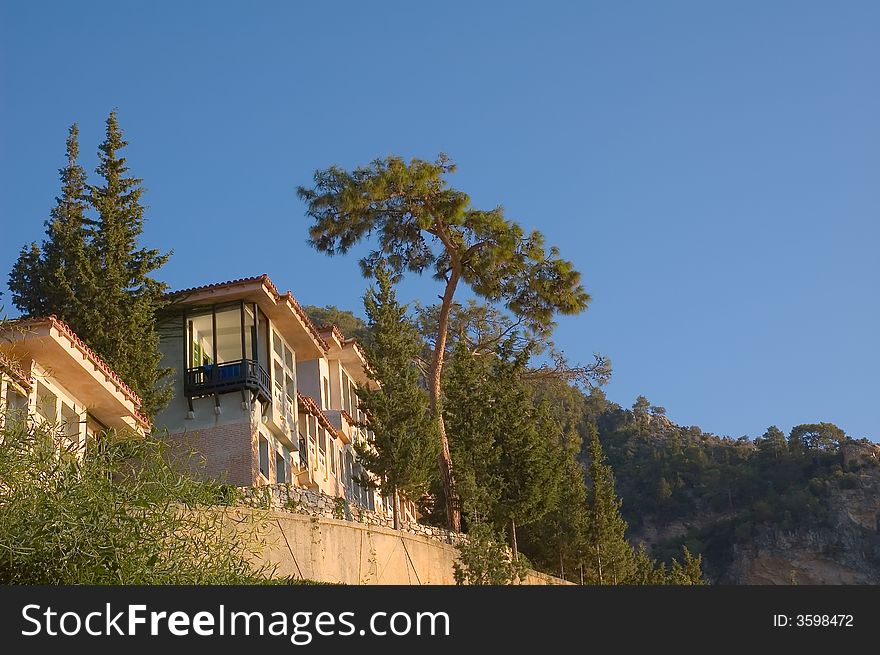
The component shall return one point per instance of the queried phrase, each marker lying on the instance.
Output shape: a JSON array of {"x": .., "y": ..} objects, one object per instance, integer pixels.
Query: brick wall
[{"x": 230, "y": 451}]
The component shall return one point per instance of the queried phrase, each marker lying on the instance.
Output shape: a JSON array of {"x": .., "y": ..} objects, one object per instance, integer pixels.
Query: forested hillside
[
  {"x": 725, "y": 498},
  {"x": 782, "y": 508}
]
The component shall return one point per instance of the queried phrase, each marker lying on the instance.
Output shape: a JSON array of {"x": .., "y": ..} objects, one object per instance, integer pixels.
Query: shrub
[
  {"x": 483, "y": 559},
  {"x": 115, "y": 512}
]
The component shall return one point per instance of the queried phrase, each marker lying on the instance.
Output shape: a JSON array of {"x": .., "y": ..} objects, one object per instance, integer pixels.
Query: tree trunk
[
  {"x": 396, "y": 501},
  {"x": 513, "y": 547},
  {"x": 599, "y": 564},
  {"x": 453, "y": 512}
]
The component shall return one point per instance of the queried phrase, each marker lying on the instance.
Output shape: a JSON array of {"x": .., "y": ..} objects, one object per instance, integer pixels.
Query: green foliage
[
  {"x": 50, "y": 278},
  {"x": 91, "y": 273},
  {"x": 608, "y": 555},
  {"x": 117, "y": 512},
  {"x": 424, "y": 225},
  {"x": 483, "y": 559},
  {"x": 350, "y": 325},
  {"x": 817, "y": 436},
  {"x": 731, "y": 488},
  {"x": 409, "y": 206},
  {"x": 506, "y": 447},
  {"x": 402, "y": 454},
  {"x": 688, "y": 571}
]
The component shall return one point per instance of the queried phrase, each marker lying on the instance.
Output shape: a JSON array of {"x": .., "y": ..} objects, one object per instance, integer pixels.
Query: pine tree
[
  {"x": 422, "y": 224},
  {"x": 54, "y": 277},
  {"x": 403, "y": 452},
  {"x": 608, "y": 555}
]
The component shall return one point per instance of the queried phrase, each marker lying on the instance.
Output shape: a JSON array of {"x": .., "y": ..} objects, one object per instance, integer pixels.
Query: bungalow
[{"x": 48, "y": 374}]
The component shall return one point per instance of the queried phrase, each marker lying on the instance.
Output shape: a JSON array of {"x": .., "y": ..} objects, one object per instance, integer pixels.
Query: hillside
[{"x": 776, "y": 510}]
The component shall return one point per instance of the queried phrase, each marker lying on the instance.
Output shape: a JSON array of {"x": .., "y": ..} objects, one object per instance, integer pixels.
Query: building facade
[
  {"x": 260, "y": 392},
  {"x": 48, "y": 375}
]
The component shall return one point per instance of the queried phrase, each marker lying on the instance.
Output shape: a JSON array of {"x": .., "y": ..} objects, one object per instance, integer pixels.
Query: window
[
  {"x": 326, "y": 393},
  {"x": 71, "y": 420},
  {"x": 354, "y": 400},
  {"x": 280, "y": 468},
  {"x": 47, "y": 406},
  {"x": 332, "y": 459},
  {"x": 346, "y": 394},
  {"x": 16, "y": 405},
  {"x": 264, "y": 457},
  {"x": 322, "y": 439}
]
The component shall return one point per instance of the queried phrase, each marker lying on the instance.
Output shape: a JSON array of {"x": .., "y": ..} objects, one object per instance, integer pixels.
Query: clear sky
[{"x": 713, "y": 168}]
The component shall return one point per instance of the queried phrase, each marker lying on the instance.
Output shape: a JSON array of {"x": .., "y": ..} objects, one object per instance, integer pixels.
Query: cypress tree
[
  {"x": 91, "y": 273},
  {"x": 403, "y": 451},
  {"x": 120, "y": 321},
  {"x": 505, "y": 446},
  {"x": 53, "y": 277},
  {"x": 608, "y": 555}
]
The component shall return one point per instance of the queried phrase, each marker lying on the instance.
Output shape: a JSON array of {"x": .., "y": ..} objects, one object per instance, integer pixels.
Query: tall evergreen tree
[
  {"x": 505, "y": 446},
  {"x": 608, "y": 555},
  {"x": 54, "y": 277},
  {"x": 120, "y": 323},
  {"x": 422, "y": 224},
  {"x": 403, "y": 452},
  {"x": 91, "y": 273}
]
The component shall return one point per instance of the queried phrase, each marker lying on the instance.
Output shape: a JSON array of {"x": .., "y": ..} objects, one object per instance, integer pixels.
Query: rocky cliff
[{"x": 847, "y": 552}]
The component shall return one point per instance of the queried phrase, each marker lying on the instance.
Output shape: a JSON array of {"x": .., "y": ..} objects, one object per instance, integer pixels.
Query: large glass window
[{"x": 232, "y": 343}]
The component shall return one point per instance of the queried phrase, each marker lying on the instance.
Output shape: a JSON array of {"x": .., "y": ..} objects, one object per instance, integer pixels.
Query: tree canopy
[
  {"x": 421, "y": 224},
  {"x": 403, "y": 449},
  {"x": 91, "y": 272}
]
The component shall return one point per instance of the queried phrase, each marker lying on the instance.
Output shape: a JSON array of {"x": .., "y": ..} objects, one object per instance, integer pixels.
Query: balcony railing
[{"x": 229, "y": 376}]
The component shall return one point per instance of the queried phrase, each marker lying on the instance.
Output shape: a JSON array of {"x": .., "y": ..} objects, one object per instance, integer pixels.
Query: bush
[
  {"x": 116, "y": 512},
  {"x": 483, "y": 559}
]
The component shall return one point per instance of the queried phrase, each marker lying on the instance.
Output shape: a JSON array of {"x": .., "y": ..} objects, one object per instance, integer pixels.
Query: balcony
[{"x": 241, "y": 374}]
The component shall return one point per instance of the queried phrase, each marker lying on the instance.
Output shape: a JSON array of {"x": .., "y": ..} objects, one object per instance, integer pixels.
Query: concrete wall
[{"x": 331, "y": 550}]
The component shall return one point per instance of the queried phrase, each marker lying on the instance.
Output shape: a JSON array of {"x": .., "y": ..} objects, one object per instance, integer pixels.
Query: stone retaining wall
[{"x": 314, "y": 503}]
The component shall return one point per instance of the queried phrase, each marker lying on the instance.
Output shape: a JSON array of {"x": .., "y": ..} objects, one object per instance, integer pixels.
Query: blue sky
[{"x": 711, "y": 168}]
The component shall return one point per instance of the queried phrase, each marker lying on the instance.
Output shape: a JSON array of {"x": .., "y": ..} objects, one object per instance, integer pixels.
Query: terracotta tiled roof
[
  {"x": 14, "y": 370},
  {"x": 311, "y": 407},
  {"x": 298, "y": 310},
  {"x": 334, "y": 330},
  {"x": 103, "y": 366}
]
